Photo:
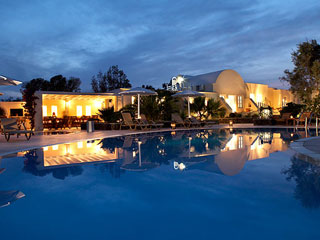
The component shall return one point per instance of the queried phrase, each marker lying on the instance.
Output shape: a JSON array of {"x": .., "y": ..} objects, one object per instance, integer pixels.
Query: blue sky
[{"x": 152, "y": 40}]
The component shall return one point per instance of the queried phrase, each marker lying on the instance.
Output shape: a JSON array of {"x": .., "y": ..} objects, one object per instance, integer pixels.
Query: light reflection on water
[
  {"x": 226, "y": 151},
  {"x": 251, "y": 167}
]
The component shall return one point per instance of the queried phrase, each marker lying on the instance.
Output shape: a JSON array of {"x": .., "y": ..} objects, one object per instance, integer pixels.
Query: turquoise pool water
[{"x": 208, "y": 184}]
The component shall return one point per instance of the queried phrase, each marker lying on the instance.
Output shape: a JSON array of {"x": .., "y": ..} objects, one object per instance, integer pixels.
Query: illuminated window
[
  {"x": 132, "y": 99},
  {"x": 55, "y": 147},
  {"x": 259, "y": 98},
  {"x": 98, "y": 104},
  {"x": 80, "y": 144},
  {"x": 284, "y": 102},
  {"x": 79, "y": 111},
  {"x": 54, "y": 110},
  {"x": 88, "y": 110},
  {"x": 252, "y": 96},
  {"x": 240, "y": 102},
  {"x": 44, "y": 111}
]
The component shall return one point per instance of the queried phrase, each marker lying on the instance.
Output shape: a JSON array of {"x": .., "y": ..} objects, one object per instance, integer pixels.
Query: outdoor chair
[
  {"x": 10, "y": 127},
  {"x": 128, "y": 121},
  {"x": 304, "y": 116},
  {"x": 195, "y": 122},
  {"x": 179, "y": 121},
  {"x": 284, "y": 119},
  {"x": 150, "y": 123}
]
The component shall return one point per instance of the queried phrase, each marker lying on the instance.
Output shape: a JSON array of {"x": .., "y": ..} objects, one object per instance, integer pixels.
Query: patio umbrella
[
  {"x": 188, "y": 93},
  {"x": 5, "y": 81},
  {"x": 139, "y": 91},
  {"x": 142, "y": 165}
]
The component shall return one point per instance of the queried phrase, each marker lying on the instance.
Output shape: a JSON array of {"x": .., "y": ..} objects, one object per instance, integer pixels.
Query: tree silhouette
[
  {"x": 114, "y": 78},
  {"x": 306, "y": 174}
]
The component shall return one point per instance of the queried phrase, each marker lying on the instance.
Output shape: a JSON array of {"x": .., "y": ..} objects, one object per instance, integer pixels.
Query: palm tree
[{"x": 215, "y": 109}]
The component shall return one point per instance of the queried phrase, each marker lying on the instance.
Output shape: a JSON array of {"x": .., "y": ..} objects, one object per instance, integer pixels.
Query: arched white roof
[{"x": 226, "y": 81}]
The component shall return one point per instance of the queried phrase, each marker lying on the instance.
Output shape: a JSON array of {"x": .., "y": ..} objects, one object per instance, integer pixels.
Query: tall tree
[
  {"x": 112, "y": 79},
  {"x": 304, "y": 79}
]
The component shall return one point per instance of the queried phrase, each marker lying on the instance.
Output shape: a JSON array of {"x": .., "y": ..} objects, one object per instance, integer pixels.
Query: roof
[
  {"x": 207, "y": 78},
  {"x": 48, "y": 95}
]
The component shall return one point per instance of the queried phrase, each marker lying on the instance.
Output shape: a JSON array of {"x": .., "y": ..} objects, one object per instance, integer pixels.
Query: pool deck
[{"x": 309, "y": 145}]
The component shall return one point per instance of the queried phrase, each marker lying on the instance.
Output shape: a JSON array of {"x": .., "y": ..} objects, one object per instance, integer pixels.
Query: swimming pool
[{"x": 203, "y": 184}]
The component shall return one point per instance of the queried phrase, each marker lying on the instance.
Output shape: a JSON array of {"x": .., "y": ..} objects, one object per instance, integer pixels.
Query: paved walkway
[{"x": 308, "y": 146}]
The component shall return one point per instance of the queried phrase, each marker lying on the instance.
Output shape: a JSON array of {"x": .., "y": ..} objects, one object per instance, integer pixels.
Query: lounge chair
[
  {"x": 304, "y": 116},
  {"x": 284, "y": 119},
  {"x": 128, "y": 121},
  {"x": 179, "y": 121},
  {"x": 10, "y": 127},
  {"x": 150, "y": 123},
  {"x": 195, "y": 122}
]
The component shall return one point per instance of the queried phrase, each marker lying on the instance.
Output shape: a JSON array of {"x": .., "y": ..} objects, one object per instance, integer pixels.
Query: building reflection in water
[{"x": 219, "y": 151}]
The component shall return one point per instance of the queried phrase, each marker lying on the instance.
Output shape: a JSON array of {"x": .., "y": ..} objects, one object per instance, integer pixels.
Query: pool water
[{"x": 204, "y": 184}]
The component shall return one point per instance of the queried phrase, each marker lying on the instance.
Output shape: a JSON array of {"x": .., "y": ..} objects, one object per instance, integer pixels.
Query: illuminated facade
[
  {"x": 61, "y": 104},
  {"x": 235, "y": 94}
]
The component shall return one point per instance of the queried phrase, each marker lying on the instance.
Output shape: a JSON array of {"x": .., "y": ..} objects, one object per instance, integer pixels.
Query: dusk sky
[{"x": 152, "y": 40}]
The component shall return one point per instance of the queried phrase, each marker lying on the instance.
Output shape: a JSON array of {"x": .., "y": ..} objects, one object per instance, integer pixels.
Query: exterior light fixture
[
  {"x": 230, "y": 123},
  {"x": 173, "y": 125}
]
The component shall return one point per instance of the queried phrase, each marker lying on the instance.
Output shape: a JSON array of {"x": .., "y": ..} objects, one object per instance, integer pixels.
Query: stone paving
[{"x": 308, "y": 146}]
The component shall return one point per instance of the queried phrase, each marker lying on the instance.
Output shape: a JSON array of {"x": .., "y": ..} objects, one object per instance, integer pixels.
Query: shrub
[
  {"x": 235, "y": 115},
  {"x": 109, "y": 115},
  {"x": 293, "y": 108}
]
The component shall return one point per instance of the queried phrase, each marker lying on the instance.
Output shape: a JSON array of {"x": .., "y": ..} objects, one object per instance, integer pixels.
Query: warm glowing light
[
  {"x": 134, "y": 154},
  {"x": 79, "y": 111},
  {"x": 252, "y": 96},
  {"x": 68, "y": 149},
  {"x": 55, "y": 147},
  {"x": 231, "y": 100},
  {"x": 180, "y": 79},
  {"x": 192, "y": 149},
  {"x": 232, "y": 144},
  {"x": 98, "y": 104},
  {"x": 179, "y": 166},
  {"x": 54, "y": 109},
  {"x": 173, "y": 125},
  {"x": 45, "y": 148},
  {"x": 44, "y": 111},
  {"x": 259, "y": 98},
  {"x": 230, "y": 123},
  {"x": 240, "y": 142},
  {"x": 132, "y": 99},
  {"x": 88, "y": 110},
  {"x": 89, "y": 144},
  {"x": 80, "y": 144}
]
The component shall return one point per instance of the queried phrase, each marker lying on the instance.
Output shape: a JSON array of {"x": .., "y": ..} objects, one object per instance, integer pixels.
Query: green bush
[
  {"x": 293, "y": 108},
  {"x": 109, "y": 115},
  {"x": 235, "y": 115}
]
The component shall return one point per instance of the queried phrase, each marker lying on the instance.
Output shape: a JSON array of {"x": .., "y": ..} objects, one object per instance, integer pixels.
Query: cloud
[{"x": 152, "y": 41}]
